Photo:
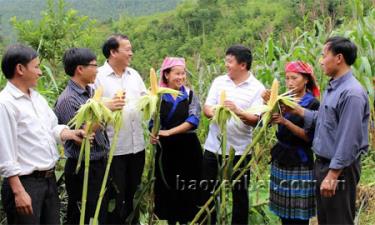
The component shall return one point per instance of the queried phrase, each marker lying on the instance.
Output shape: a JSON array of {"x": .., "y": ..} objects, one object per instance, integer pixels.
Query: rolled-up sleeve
[
  {"x": 212, "y": 97},
  {"x": 351, "y": 131},
  {"x": 8, "y": 144},
  {"x": 258, "y": 100},
  {"x": 194, "y": 111},
  {"x": 65, "y": 111}
]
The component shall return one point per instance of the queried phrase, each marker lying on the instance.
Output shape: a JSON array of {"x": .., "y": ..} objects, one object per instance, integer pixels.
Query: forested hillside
[{"x": 101, "y": 10}]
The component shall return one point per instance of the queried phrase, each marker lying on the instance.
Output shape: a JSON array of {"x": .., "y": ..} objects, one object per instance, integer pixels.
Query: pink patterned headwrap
[
  {"x": 304, "y": 68},
  {"x": 169, "y": 62}
]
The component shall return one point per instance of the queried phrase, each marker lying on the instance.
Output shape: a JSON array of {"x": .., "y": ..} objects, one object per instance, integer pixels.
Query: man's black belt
[{"x": 42, "y": 174}]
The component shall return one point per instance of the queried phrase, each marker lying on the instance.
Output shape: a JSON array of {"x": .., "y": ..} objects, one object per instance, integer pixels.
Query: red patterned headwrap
[{"x": 305, "y": 69}]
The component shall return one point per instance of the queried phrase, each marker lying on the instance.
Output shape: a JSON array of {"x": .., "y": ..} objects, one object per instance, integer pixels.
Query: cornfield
[{"x": 303, "y": 43}]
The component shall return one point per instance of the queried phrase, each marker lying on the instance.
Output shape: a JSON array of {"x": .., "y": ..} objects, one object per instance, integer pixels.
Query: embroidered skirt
[{"x": 292, "y": 192}]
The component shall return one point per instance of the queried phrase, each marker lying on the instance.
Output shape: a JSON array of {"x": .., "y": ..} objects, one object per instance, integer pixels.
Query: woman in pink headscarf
[
  {"x": 179, "y": 156},
  {"x": 292, "y": 190}
]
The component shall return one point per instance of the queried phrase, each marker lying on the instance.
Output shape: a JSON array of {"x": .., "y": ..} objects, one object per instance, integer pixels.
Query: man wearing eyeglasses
[
  {"x": 129, "y": 157},
  {"x": 80, "y": 65}
]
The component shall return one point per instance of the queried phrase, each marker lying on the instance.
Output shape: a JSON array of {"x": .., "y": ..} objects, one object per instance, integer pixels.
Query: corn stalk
[
  {"x": 221, "y": 117},
  {"x": 273, "y": 105},
  {"x": 92, "y": 113},
  {"x": 117, "y": 124},
  {"x": 150, "y": 106}
]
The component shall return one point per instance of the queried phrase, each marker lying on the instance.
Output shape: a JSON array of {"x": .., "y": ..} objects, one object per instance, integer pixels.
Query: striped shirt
[
  {"x": 66, "y": 107},
  {"x": 244, "y": 95}
]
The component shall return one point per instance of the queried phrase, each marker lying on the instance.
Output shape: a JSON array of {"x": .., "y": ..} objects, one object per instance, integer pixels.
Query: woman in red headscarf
[
  {"x": 292, "y": 190},
  {"x": 179, "y": 155}
]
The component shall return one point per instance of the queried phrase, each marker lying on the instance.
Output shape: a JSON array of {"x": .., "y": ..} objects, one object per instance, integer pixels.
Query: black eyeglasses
[{"x": 90, "y": 64}]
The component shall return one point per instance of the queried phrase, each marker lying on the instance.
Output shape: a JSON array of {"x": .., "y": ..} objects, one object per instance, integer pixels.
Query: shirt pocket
[{"x": 330, "y": 119}]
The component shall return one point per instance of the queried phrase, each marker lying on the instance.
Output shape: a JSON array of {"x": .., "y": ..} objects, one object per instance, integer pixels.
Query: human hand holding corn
[
  {"x": 277, "y": 118},
  {"x": 297, "y": 110},
  {"x": 74, "y": 135},
  {"x": 232, "y": 107},
  {"x": 266, "y": 96},
  {"x": 154, "y": 139},
  {"x": 117, "y": 102}
]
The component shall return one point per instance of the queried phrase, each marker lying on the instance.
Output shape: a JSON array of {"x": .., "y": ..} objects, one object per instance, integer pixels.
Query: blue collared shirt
[
  {"x": 341, "y": 123},
  {"x": 66, "y": 107}
]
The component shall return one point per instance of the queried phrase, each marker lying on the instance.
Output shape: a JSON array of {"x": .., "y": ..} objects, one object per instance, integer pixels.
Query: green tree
[{"x": 58, "y": 30}]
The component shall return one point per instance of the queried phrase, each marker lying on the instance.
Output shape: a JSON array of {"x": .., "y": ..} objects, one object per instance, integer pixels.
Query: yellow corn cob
[
  {"x": 274, "y": 92},
  {"x": 223, "y": 96},
  {"x": 98, "y": 93},
  {"x": 153, "y": 82},
  {"x": 119, "y": 93}
]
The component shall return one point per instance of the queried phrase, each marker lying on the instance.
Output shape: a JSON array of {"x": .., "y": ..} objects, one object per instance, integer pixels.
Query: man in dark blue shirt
[
  {"x": 341, "y": 134},
  {"x": 80, "y": 65}
]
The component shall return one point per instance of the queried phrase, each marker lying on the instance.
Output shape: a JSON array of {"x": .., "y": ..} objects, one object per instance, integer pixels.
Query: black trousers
[
  {"x": 74, "y": 186},
  {"x": 240, "y": 190},
  {"x": 339, "y": 209},
  {"x": 294, "y": 222},
  {"x": 126, "y": 174},
  {"x": 45, "y": 201}
]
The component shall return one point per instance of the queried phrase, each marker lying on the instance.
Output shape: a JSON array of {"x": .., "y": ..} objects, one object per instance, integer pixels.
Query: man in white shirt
[
  {"x": 129, "y": 157},
  {"x": 28, "y": 138},
  {"x": 243, "y": 91}
]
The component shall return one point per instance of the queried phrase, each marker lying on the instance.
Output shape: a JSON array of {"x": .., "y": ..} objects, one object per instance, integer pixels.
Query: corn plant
[
  {"x": 273, "y": 105},
  {"x": 117, "y": 124},
  {"x": 221, "y": 117},
  {"x": 150, "y": 106},
  {"x": 91, "y": 114}
]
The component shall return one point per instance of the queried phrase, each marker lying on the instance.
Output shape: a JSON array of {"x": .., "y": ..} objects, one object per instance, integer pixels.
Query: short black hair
[
  {"x": 165, "y": 72},
  {"x": 242, "y": 54},
  {"x": 74, "y": 57},
  {"x": 341, "y": 45},
  {"x": 112, "y": 43},
  {"x": 14, "y": 55}
]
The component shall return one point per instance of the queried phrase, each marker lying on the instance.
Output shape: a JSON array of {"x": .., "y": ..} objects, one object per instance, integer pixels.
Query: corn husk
[
  {"x": 149, "y": 105},
  {"x": 91, "y": 113},
  {"x": 222, "y": 114},
  {"x": 117, "y": 123},
  {"x": 273, "y": 104}
]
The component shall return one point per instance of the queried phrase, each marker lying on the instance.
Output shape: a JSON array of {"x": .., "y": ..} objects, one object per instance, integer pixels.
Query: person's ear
[
  {"x": 20, "y": 69},
  {"x": 243, "y": 66},
  {"x": 79, "y": 69},
  {"x": 340, "y": 58},
  {"x": 113, "y": 52}
]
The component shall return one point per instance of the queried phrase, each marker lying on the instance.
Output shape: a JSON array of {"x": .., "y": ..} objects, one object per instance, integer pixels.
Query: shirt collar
[
  {"x": 306, "y": 99},
  {"x": 73, "y": 85},
  {"x": 16, "y": 92},
  {"x": 169, "y": 98},
  {"x": 247, "y": 81},
  {"x": 334, "y": 83},
  {"x": 108, "y": 70}
]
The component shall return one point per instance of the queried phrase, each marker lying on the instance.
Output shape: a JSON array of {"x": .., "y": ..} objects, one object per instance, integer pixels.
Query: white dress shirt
[
  {"x": 244, "y": 95},
  {"x": 130, "y": 139},
  {"x": 29, "y": 133}
]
